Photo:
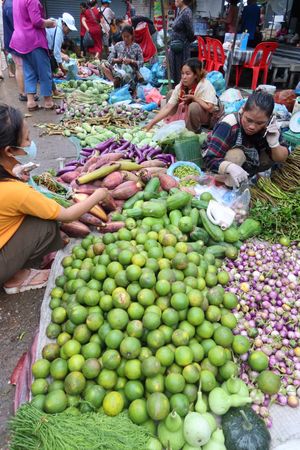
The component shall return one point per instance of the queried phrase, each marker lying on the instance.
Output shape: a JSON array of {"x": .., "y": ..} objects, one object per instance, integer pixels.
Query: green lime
[{"x": 258, "y": 360}]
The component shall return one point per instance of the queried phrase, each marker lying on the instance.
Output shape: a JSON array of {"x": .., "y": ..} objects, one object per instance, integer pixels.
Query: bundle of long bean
[
  {"x": 31, "y": 429},
  {"x": 287, "y": 177},
  {"x": 258, "y": 194},
  {"x": 267, "y": 186}
]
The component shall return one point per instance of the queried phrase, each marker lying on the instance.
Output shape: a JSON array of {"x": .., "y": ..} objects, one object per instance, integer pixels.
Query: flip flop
[
  {"x": 23, "y": 98},
  {"x": 54, "y": 106},
  {"x": 26, "y": 286},
  {"x": 35, "y": 108}
]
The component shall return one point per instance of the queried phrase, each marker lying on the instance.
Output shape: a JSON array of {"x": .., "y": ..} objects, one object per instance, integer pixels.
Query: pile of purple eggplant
[{"x": 131, "y": 151}]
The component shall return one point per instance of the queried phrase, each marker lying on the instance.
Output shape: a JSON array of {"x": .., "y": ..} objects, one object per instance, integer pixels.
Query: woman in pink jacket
[{"x": 29, "y": 40}]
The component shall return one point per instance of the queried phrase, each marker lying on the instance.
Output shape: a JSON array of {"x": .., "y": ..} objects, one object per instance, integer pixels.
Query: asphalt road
[{"x": 19, "y": 314}]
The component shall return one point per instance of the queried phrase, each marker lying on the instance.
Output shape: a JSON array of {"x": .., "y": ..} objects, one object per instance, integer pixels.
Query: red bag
[
  {"x": 143, "y": 38},
  {"x": 286, "y": 97}
]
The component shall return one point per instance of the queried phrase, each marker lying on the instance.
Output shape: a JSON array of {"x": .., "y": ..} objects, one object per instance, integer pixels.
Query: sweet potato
[
  {"x": 119, "y": 204},
  {"x": 167, "y": 182},
  {"x": 90, "y": 219},
  {"x": 85, "y": 189},
  {"x": 153, "y": 163},
  {"x": 75, "y": 229},
  {"x": 68, "y": 177},
  {"x": 113, "y": 180},
  {"x": 111, "y": 227},
  {"x": 130, "y": 176},
  {"x": 126, "y": 190},
  {"x": 104, "y": 160},
  {"x": 109, "y": 204}
]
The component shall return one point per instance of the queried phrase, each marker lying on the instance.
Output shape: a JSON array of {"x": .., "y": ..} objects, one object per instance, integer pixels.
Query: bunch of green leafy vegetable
[{"x": 281, "y": 219}]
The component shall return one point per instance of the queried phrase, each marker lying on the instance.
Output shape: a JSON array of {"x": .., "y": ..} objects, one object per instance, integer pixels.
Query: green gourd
[
  {"x": 211, "y": 421},
  {"x": 170, "y": 432},
  {"x": 220, "y": 402},
  {"x": 196, "y": 429},
  {"x": 200, "y": 406},
  {"x": 236, "y": 386},
  {"x": 216, "y": 441},
  {"x": 245, "y": 430}
]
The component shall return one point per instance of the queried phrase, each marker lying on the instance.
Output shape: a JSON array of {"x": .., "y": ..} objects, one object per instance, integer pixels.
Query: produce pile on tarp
[
  {"x": 170, "y": 322},
  {"x": 163, "y": 329}
]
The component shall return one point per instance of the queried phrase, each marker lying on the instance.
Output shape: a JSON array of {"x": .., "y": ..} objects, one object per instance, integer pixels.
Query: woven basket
[{"x": 188, "y": 149}]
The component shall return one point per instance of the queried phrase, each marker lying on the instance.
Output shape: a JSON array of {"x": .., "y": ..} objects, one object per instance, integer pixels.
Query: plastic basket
[
  {"x": 291, "y": 138},
  {"x": 189, "y": 149}
]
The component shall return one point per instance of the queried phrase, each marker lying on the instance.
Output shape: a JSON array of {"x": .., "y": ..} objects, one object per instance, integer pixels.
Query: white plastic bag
[{"x": 174, "y": 127}]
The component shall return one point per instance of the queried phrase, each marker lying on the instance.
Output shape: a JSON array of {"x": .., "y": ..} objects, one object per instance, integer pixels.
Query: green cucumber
[
  {"x": 214, "y": 231},
  {"x": 131, "y": 201},
  {"x": 175, "y": 216}
]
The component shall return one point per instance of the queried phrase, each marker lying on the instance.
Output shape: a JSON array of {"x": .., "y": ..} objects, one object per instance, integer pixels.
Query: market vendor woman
[
  {"x": 124, "y": 61},
  {"x": 29, "y": 227},
  {"x": 246, "y": 143},
  {"x": 193, "y": 100}
]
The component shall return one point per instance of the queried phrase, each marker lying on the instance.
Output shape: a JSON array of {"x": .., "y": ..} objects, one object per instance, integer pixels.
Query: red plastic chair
[
  {"x": 209, "y": 54},
  {"x": 260, "y": 60},
  {"x": 219, "y": 55},
  {"x": 202, "y": 51}
]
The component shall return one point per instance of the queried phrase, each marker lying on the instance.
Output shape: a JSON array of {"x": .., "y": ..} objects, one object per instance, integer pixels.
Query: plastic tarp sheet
[{"x": 285, "y": 431}]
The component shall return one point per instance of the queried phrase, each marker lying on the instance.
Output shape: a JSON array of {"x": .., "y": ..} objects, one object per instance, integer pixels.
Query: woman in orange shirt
[{"x": 29, "y": 226}]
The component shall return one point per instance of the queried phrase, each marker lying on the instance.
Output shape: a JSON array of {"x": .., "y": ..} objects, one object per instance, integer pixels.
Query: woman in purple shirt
[{"x": 29, "y": 40}]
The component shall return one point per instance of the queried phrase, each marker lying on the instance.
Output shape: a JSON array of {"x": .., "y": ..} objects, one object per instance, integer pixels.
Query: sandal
[
  {"x": 28, "y": 284},
  {"x": 54, "y": 106},
  {"x": 35, "y": 108},
  {"x": 23, "y": 98}
]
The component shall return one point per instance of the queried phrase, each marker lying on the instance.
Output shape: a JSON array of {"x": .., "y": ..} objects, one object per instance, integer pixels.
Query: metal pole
[
  {"x": 166, "y": 43},
  {"x": 230, "y": 56}
]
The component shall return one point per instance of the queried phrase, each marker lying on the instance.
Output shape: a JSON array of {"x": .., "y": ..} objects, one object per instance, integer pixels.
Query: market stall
[{"x": 171, "y": 320}]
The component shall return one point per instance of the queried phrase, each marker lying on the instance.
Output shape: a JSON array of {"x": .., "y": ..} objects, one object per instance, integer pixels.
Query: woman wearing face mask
[
  {"x": 193, "y": 100},
  {"x": 29, "y": 226},
  {"x": 244, "y": 144}
]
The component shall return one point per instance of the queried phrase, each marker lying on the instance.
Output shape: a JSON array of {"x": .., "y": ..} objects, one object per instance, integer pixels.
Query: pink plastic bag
[
  {"x": 154, "y": 96},
  {"x": 180, "y": 114}
]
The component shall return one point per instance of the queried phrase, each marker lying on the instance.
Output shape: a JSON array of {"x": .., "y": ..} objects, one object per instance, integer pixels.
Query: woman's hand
[
  {"x": 188, "y": 98},
  {"x": 273, "y": 134},
  {"x": 148, "y": 127},
  {"x": 99, "y": 195},
  {"x": 131, "y": 62},
  {"x": 65, "y": 57},
  {"x": 49, "y": 23}
]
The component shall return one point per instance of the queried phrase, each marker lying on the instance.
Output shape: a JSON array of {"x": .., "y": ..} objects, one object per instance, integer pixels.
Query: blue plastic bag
[
  {"x": 232, "y": 107},
  {"x": 146, "y": 74},
  {"x": 120, "y": 95},
  {"x": 140, "y": 92},
  {"x": 158, "y": 73},
  {"x": 217, "y": 80}
]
